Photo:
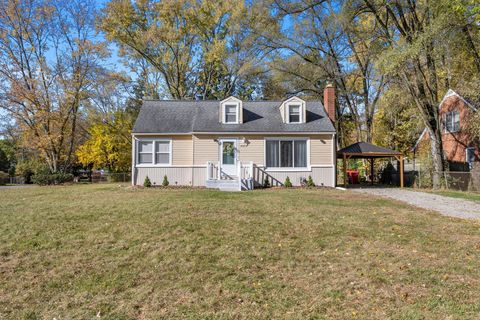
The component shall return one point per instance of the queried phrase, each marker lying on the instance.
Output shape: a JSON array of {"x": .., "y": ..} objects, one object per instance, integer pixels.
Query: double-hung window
[
  {"x": 231, "y": 113},
  {"x": 145, "y": 152},
  {"x": 452, "y": 121},
  {"x": 294, "y": 113},
  {"x": 154, "y": 152},
  {"x": 286, "y": 153}
]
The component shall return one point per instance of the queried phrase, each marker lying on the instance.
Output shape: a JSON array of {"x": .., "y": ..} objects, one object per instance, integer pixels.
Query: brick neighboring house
[{"x": 459, "y": 149}]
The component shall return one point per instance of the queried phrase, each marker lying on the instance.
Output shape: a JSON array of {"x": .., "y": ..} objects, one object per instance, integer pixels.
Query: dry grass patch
[{"x": 83, "y": 251}]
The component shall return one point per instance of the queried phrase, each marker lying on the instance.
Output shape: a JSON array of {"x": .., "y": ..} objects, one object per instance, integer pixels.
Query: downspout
[
  {"x": 133, "y": 160},
  {"x": 334, "y": 143},
  {"x": 193, "y": 159}
]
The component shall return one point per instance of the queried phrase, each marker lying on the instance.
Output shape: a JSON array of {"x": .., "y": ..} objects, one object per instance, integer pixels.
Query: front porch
[{"x": 240, "y": 179}]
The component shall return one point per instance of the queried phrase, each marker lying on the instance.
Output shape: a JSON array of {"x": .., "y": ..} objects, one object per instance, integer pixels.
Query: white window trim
[
  {"x": 154, "y": 152},
  {"x": 237, "y": 110},
  {"x": 466, "y": 153},
  {"x": 285, "y": 109},
  {"x": 445, "y": 121},
  {"x": 220, "y": 151},
  {"x": 300, "y": 111},
  {"x": 284, "y": 169}
]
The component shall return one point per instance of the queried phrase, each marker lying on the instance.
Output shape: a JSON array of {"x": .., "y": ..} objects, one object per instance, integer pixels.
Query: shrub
[
  {"x": 165, "y": 182},
  {"x": 147, "y": 183},
  {"x": 27, "y": 169},
  {"x": 4, "y": 178},
  {"x": 52, "y": 178},
  {"x": 310, "y": 182},
  {"x": 287, "y": 183},
  {"x": 266, "y": 183}
]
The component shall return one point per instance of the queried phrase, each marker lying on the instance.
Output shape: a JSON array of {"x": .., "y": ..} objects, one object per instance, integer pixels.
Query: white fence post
[{"x": 208, "y": 170}]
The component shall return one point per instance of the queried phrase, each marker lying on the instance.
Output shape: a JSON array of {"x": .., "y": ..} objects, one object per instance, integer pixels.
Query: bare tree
[{"x": 50, "y": 60}]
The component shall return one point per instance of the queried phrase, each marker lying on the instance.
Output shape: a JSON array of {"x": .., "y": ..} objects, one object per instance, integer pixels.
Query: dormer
[
  {"x": 231, "y": 111},
  {"x": 293, "y": 110}
]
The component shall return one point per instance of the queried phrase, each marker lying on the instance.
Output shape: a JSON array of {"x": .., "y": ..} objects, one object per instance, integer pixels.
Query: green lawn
[
  {"x": 76, "y": 252},
  {"x": 473, "y": 196}
]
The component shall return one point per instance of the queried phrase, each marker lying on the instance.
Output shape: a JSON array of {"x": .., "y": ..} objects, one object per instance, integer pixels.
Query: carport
[{"x": 365, "y": 150}]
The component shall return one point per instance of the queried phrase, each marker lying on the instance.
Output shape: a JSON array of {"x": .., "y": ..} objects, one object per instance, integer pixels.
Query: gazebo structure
[{"x": 365, "y": 150}]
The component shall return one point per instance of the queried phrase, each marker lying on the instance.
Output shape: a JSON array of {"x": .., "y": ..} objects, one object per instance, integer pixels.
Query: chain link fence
[
  {"x": 450, "y": 180},
  {"x": 95, "y": 177},
  {"x": 107, "y": 177}
]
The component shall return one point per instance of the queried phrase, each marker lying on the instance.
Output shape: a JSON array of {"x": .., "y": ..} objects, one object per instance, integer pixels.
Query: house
[
  {"x": 234, "y": 144},
  {"x": 459, "y": 149}
]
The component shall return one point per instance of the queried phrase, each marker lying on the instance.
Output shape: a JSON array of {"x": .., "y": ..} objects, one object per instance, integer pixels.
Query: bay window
[
  {"x": 286, "y": 153},
  {"x": 154, "y": 152}
]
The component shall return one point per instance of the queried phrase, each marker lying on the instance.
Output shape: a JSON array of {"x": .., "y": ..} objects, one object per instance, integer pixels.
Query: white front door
[{"x": 228, "y": 157}]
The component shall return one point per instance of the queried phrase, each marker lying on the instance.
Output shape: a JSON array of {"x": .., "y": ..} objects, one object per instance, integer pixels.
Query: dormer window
[
  {"x": 231, "y": 111},
  {"x": 294, "y": 113},
  {"x": 293, "y": 110}
]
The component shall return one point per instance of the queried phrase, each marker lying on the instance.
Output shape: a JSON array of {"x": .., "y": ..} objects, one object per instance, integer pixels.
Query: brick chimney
[{"x": 329, "y": 101}]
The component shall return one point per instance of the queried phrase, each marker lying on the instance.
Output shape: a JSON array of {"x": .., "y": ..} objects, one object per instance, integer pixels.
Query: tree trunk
[{"x": 437, "y": 157}]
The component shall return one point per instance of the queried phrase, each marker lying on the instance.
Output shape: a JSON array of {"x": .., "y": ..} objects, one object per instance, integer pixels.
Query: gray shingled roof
[
  {"x": 366, "y": 149},
  {"x": 180, "y": 116}
]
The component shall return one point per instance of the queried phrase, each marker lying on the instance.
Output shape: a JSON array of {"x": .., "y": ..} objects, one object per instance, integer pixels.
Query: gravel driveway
[{"x": 445, "y": 205}]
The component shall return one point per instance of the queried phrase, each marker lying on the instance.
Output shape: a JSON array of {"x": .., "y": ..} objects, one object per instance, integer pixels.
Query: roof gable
[
  {"x": 284, "y": 109},
  {"x": 451, "y": 93},
  {"x": 447, "y": 95}
]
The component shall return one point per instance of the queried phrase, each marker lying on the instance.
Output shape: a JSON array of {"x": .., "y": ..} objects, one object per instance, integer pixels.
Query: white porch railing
[
  {"x": 213, "y": 170},
  {"x": 245, "y": 171},
  {"x": 245, "y": 175}
]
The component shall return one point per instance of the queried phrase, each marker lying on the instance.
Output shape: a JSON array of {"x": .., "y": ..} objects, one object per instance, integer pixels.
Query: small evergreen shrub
[
  {"x": 266, "y": 183},
  {"x": 310, "y": 183},
  {"x": 165, "y": 182},
  {"x": 287, "y": 183},
  {"x": 147, "y": 183}
]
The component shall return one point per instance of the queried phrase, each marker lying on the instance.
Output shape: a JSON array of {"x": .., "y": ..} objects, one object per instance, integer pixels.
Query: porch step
[
  {"x": 228, "y": 185},
  {"x": 224, "y": 185}
]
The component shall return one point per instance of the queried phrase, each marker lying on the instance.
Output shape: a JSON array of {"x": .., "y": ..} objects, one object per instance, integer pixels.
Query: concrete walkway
[{"x": 447, "y": 206}]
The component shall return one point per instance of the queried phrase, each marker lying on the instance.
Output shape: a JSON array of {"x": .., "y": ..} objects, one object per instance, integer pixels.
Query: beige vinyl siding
[
  {"x": 182, "y": 151},
  {"x": 205, "y": 148},
  {"x": 321, "y": 176},
  {"x": 182, "y": 148},
  {"x": 321, "y": 150},
  {"x": 252, "y": 150},
  {"x": 198, "y": 149},
  {"x": 181, "y": 176}
]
